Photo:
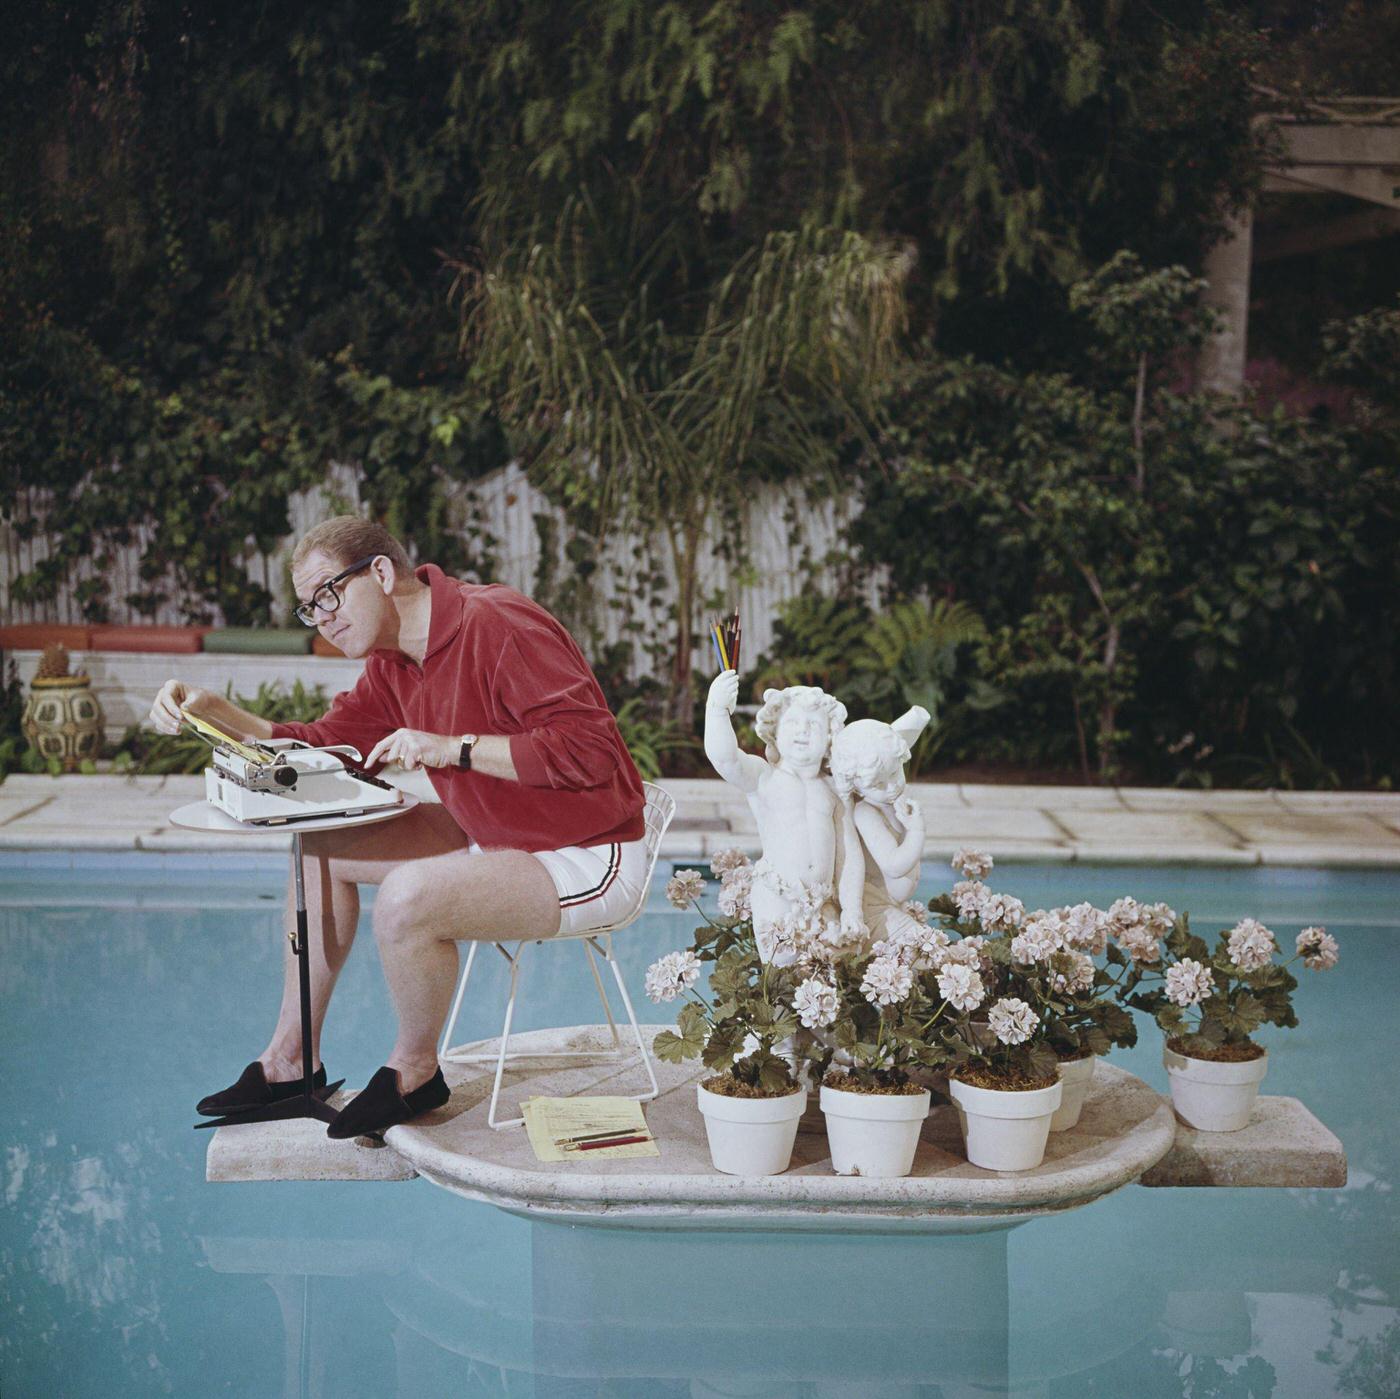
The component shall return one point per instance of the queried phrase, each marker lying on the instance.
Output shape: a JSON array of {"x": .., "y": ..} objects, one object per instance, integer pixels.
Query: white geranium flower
[
  {"x": 1159, "y": 918},
  {"x": 1319, "y": 949},
  {"x": 1139, "y": 928},
  {"x": 816, "y": 1003},
  {"x": 1012, "y": 1020},
  {"x": 1038, "y": 940},
  {"x": 961, "y": 986},
  {"x": 668, "y": 976},
  {"x": 1140, "y": 943},
  {"x": 1189, "y": 983},
  {"x": 970, "y": 863},
  {"x": 969, "y": 895},
  {"x": 684, "y": 887},
  {"x": 1001, "y": 913},
  {"x": 1251, "y": 945},
  {"x": 887, "y": 982},
  {"x": 1072, "y": 971},
  {"x": 724, "y": 862},
  {"x": 735, "y": 894},
  {"x": 928, "y": 950},
  {"x": 916, "y": 910},
  {"x": 1085, "y": 927},
  {"x": 966, "y": 952}
]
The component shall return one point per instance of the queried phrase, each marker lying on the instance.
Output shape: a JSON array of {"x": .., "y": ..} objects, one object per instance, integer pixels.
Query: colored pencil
[
  {"x": 615, "y": 1141},
  {"x": 719, "y": 644},
  {"x": 595, "y": 1136}
]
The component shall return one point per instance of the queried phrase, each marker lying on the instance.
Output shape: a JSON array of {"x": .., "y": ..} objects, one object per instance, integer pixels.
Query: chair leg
[
  {"x": 505, "y": 1042},
  {"x": 457, "y": 1003},
  {"x": 589, "y": 947},
  {"x": 636, "y": 1029}
]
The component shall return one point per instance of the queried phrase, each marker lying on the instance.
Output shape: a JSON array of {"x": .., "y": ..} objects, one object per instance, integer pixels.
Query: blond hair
[{"x": 345, "y": 539}]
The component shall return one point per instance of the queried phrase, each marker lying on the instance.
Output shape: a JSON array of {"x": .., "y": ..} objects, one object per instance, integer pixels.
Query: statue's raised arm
[{"x": 721, "y": 747}]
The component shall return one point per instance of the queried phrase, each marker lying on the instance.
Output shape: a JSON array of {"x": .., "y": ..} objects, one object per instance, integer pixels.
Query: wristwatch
[{"x": 464, "y": 758}]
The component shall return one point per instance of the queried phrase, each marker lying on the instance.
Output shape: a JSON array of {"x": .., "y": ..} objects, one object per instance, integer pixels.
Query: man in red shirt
[{"x": 540, "y": 824}]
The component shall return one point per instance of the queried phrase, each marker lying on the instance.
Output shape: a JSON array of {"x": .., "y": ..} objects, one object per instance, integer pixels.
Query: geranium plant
[
  {"x": 1210, "y": 1004},
  {"x": 1023, "y": 990},
  {"x": 736, "y": 1030}
]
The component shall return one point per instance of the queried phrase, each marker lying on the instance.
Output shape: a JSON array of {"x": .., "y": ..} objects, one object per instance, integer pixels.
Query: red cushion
[
  {"x": 171, "y": 640},
  {"x": 34, "y": 636}
]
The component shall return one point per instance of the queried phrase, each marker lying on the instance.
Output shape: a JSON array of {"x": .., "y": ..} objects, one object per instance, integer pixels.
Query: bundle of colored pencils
[{"x": 727, "y": 636}]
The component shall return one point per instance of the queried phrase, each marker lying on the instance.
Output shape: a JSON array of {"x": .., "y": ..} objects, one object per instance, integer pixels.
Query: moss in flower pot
[{"x": 887, "y": 1086}]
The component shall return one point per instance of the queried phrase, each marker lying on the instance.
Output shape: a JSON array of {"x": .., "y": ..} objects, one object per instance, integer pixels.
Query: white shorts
[{"x": 598, "y": 885}]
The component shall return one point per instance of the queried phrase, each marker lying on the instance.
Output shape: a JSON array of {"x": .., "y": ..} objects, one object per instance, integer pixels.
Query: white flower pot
[
  {"x": 751, "y": 1136},
  {"x": 1074, "y": 1080},
  {"x": 1005, "y": 1130},
  {"x": 1214, "y": 1097},
  {"x": 873, "y": 1134}
]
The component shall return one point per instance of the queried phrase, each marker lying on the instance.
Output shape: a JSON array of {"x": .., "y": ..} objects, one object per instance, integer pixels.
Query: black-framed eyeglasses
[{"x": 325, "y": 598}]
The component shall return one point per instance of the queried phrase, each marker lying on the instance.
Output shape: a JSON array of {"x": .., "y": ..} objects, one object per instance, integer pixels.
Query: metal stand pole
[{"x": 312, "y": 1102}]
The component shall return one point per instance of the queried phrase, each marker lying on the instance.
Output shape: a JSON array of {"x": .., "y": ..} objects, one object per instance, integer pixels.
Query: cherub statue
[
  {"x": 867, "y": 762},
  {"x": 812, "y": 870}
]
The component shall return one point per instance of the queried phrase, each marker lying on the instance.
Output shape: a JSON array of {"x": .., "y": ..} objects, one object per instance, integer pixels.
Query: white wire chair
[{"x": 659, "y": 811}]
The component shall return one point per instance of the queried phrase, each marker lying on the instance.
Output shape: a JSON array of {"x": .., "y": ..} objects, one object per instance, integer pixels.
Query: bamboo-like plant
[{"x": 648, "y": 410}]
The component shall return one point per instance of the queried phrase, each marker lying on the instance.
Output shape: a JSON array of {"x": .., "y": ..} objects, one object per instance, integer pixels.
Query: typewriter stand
[{"x": 311, "y": 1102}]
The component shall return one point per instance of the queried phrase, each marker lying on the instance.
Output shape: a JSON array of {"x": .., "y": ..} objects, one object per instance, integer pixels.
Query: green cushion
[{"x": 260, "y": 641}]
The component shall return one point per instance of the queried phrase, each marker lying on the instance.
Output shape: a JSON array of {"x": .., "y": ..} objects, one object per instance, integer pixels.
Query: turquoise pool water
[{"x": 132, "y": 985}]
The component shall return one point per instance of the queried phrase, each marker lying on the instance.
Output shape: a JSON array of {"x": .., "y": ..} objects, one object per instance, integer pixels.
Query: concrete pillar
[{"x": 1221, "y": 363}]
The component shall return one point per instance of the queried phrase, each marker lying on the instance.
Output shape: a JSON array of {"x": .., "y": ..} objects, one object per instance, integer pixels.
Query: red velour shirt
[{"x": 498, "y": 663}]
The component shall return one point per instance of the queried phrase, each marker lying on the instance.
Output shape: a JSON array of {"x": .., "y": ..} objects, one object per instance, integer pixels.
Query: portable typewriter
[{"x": 275, "y": 781}]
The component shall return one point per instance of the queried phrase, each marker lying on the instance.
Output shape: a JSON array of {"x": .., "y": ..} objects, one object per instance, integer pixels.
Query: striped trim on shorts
[{"x": 598, "y": 885}]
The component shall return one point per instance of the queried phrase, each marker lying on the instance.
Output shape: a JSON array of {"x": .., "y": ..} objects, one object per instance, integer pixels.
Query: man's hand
[
  {"x": 411, "y": 749},
  {"x": 724, "y": 691},
  {"x": 174, "y": 696}
]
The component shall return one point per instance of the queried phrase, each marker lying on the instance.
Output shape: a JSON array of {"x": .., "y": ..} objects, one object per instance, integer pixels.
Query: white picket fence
[{"x": 782, "y": 529}]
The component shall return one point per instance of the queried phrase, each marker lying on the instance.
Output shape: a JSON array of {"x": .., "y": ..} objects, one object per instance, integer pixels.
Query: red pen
[{"x": 615, "y": 1141}]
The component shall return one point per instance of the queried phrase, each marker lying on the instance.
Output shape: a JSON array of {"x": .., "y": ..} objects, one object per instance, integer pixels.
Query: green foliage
[
  {"x": 1193, "y": 591},
  {"x": 651, "y": 741},
  {"x": 219, "y": 279},
  {"x": 878, "y": 664}
]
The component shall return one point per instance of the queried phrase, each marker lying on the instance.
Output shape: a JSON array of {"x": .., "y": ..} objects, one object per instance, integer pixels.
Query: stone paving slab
[
  {"x": 298, "y": 1149},
  {"x": 1042, "y": 824},
  {"x": 1283, "y": 1145}
]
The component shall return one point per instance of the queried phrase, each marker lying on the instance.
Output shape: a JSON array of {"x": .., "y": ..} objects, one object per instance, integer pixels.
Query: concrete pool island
[{"x": 1127, "y": 1133}]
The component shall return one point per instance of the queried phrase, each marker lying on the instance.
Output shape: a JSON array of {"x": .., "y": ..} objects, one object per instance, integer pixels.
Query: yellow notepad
[{"x": 549, "y": 1119}]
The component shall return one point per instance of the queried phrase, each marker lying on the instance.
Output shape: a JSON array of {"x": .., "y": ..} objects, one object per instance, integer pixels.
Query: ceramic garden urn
[{"x": 62, "y": 717}]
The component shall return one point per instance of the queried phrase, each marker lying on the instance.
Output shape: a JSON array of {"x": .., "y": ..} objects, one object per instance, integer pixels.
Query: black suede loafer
[
  {"x": 379, "y": 1105},
  {"x": 254, "y": 1091}
]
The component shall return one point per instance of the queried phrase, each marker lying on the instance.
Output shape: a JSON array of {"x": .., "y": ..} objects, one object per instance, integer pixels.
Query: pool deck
[{"x": 1098, "y": 825}]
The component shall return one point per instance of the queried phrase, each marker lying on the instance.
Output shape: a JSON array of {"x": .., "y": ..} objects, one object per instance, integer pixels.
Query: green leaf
[{"x": 672, "y": 1049}]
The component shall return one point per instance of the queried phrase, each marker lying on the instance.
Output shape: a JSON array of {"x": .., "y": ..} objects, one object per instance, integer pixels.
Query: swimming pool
[{"x": 132, "y": 984}]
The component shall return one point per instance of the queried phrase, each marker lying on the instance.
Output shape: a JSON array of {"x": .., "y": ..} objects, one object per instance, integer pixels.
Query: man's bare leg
[
  {"x": 335, "y": 863},
  {"x": 421, "y": 911}
]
